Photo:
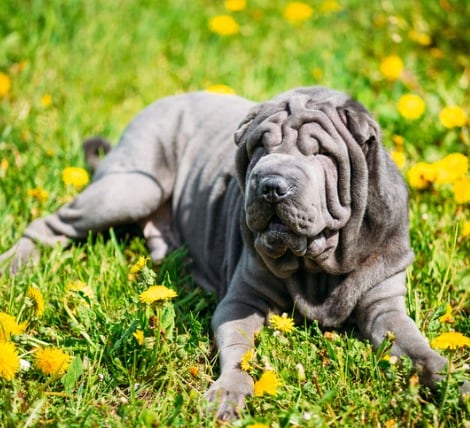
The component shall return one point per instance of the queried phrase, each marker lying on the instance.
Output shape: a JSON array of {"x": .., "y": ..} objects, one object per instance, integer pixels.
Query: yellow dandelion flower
[
  {"x": 38, "y": 300},
  {"x": 398, "y": 140},
  {"x": 451, "y": 168},
  {"x": 156, "y": 293},
  {"x": 330, "y": 6},
  {"x": 421, "y": 175},
  {"x": 461, "y": 190},
  {"x": 39, "y": 194},
  {"x": 224, "y": 25},
  {"x": 5, "y": 84},
  {"x": 282, "y": 323},
  {"x": 391, "y": 67},
  {"x": 194, "y": 371},
  {"x": 235, "y": 5},
  {"x": 76, "y": 285},
  {"x": 52, "y": 361},
  {"x": 139, "y": 336},
  {"x": 10, "y": 327},
  {"x": 220, "y": 89},
  {"x": 137, "y": 267},
  {"x": 46, "y": 100},
  {"x": 76, "y": 177},
  {"x": 398, "y": 157},
  {"x": 330, "y": 335},
  {"x": 419, "y": 37},
  {"x": 452, "y": 116},
  {"x": 4, "y": 164},
  {"x": 447, "y": 317},
  {"x": 466, "y": 229},
  {"x": 317, "y": 73},
  {"x": 450, "y": 340},
  {"x": 81, "y": 287},
  {"x": 391, "y": 423},
  {"x": 247, "y": 359},
  {"x": 9, "y": 360},
  {"x": 297, "y": 12},
  {"x": 268, "y": 383},
  {"x": 411, "y": 106},
  {"x": 257, "y": 425}
]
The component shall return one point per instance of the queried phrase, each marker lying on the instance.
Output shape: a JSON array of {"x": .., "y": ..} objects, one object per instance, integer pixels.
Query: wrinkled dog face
[{"x": 294, "y": 165}]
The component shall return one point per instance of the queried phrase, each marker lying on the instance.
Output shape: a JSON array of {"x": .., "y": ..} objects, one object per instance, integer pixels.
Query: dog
[{"x": 304, "y": 214}]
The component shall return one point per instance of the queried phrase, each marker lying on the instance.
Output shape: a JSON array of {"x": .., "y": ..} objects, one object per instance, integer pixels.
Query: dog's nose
[{"x": 273, "y": 188}]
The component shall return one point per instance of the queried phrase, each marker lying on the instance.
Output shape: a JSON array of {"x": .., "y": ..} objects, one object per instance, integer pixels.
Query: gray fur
[{"x": 305, "y": 213}]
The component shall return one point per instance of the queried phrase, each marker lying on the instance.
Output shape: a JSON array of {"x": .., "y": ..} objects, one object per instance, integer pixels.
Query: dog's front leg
[
  {"x": 382, "y": 311},
  {"x": 235, "y": 324}
]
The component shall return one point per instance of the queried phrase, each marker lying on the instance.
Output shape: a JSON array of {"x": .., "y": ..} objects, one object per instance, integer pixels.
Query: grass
[{"x": 100, "y": 63}]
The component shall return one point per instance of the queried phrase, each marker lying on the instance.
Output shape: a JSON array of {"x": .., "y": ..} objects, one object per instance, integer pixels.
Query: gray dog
[{"x": 305, "y": 214}]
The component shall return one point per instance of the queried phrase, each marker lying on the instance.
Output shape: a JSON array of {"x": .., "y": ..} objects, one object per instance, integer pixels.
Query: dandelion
[
  {"x": 52, "y": 361},
  {"x": 450, "y": 340},
  {"x": 46, "y": 100},
  {"x": 421, "y": 38},
  {"x": 398, "y": 157},
  {"x": 330, "y": 6},
  {"x": 38, "y": 300},
  {"x": 80, "y": 287},
  {"x": 247, "y": 359},
  {"x": 257, "y": 425},
  {"x": 452, "y": 116},
  {"x": 451, "y": 168},
  {"x": 139, "y": 336},
  {"x": 317, "y": 73},
  {"x": 268, "y": 383},
  {"x": 9, "y": 326},
  {"x": 411, "y": 106},
  {"x": 398, "y": 140},
  {"x": 461, "y": 190},
  {"x": 282, "y": 323},
  {"x": 421, "y": 175},
  {"x": 391, "y": 67},
  {"x": 447, "y": 317},
  {"x": 24, "y": 365},
  {"x": 5, "y": 84},
  {"x": 220, "y": 89},
  {"x": 157, "y": 293},
  {"x": 137, "y": 267},
  {"x": 330, "y": 335},
  {"x": 466, "y": 229},
  {"x": 235, "y": 5},
  {"x": 4, "y": 165},
  {"x": 9, "y": 360},
  {"x": 194, "y": 371},
  {"x": 297, "y": 12},
  {"x": 39, "y": 194},
  {"x": 224, "y": 25},
  {"x": 76, "y": 177}
]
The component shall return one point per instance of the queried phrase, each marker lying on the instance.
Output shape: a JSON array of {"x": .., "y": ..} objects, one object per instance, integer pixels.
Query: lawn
[{"x": 92, "y": 352}]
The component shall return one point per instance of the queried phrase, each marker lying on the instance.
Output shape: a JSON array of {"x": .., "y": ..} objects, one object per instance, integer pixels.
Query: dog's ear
[
  {"x": 241, "y": 158},
  {"x": 360, "y": 123}
]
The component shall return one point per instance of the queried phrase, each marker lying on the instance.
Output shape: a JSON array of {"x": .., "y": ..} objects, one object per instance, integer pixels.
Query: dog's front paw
[{"x": 227, "y": 394}]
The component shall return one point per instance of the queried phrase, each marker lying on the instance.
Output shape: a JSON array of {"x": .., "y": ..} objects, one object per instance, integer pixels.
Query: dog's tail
[{"x": 95, "y": 148}]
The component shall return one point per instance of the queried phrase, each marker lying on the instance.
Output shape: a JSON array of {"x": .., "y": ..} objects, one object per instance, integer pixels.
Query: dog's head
[{"x": 319, "y": 189}]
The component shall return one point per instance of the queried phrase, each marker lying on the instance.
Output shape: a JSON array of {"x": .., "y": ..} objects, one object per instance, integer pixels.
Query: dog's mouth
[{"x": 278, "y": 238}]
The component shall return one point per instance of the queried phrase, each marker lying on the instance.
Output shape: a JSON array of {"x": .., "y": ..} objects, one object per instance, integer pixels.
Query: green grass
[{"x": 102, "y": 62}]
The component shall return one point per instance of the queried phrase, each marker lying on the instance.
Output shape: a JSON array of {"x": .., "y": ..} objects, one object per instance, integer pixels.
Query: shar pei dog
[{"x": 304, "y": 214}]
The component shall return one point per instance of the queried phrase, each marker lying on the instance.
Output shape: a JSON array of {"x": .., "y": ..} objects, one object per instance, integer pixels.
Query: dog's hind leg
[{"x": 113, "y": 199}]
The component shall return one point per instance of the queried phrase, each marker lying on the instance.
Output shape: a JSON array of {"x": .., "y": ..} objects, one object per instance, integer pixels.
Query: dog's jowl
[{"x": 291, "y": 205}]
